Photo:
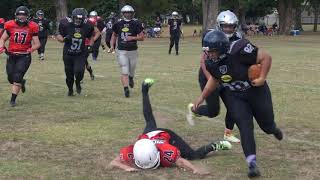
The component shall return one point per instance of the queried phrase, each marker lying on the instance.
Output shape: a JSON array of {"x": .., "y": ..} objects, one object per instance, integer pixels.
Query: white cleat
[
  {"x": 231, "y": 138},
  {"x": 190, "y": 115}
]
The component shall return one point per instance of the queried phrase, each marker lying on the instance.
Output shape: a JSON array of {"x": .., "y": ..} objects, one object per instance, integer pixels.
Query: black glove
[
  {"x": 67, "y": 38},
  {"x": 89, "y": 48}
]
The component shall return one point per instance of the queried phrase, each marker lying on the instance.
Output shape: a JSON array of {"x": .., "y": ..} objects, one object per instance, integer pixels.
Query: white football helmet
[
  {"x": 228, "y": 18},
  {"x": 175, "y": 15},
  {"x": 93, "y": 14},
  {"x": 146, "y": 154},
  {"x": 129, "y": 12}
]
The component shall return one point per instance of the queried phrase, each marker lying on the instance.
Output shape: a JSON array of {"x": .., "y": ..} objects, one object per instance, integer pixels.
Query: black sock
[
  {"x": 89, "y": 69},
  {"x": 13, "y": 97},
  {"x": 126, "y": 88}
]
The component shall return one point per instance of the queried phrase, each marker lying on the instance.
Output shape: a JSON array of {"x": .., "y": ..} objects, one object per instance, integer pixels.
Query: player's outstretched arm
[
  {"x": 208, "y": 89},
  {"x": 118, "y": 164},
  {"x": 183, "y": 163}
]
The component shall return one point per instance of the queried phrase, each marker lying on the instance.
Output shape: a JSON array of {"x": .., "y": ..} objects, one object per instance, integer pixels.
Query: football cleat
[
  {"x": 278, "y": 134},
  {"x": 253, "y": 171},
  {"x": 126, "y": 93},
  {"x": 148, "y": 82},
  {"x": 78, "y": 88},
  {"x": 221, "y": 145},
  {"x": 230, "y": 137},
  {"x": 70, "y": 93},
  {"x": 13, "y": 103}
]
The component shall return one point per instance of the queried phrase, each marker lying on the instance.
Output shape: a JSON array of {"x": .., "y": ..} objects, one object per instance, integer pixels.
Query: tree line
[{"x": 198, "y": 11}]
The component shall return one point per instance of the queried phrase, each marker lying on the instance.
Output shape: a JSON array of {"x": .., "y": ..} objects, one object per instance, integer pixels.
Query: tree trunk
[
  {"x": 210, "y": 11},
  {"x": 61, "y": 9},
  {"x": 286, "y": 14},
  {"x": 297, "y": 19},
  {"x": 315, "y": 22}
]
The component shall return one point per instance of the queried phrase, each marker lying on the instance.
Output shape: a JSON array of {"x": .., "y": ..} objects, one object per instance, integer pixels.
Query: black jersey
[
  {"x": 232, "y": 70},
  {"x": 125, "y": 28},
  {"x": 109, "y": 24},
  {"x": 77, "y": 34},
  {"x": 175, "y": 26},
  {"x": 44, "y": 27}
]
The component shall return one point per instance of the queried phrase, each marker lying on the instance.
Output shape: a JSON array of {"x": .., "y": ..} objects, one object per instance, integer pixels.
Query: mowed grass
[{"x": 52, "y": 136}]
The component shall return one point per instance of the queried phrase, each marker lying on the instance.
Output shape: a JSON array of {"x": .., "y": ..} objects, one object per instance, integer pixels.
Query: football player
[
  {"x": 23, "y": 40},
  {"x": 127, "y": 31},
  {"x": 73, "y": 32},
  {"x": 227, "y": 22},
  {"x": 44, "y": 28},
  {"x": 97, "y": 22},
  {"x": 107, "y": 31},
  {"x": 243, "y": 98},
  {"x": 175, "y": 29},
  {"x": 161, "y": 147}
]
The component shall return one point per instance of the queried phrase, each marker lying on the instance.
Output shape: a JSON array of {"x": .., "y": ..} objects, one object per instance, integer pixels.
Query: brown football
[{"x": 254, "y": 71}]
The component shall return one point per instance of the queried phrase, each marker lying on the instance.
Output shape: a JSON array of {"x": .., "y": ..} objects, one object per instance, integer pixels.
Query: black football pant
[
  {"x": 43, "y": 42},
  {"x": 243, "y": 106},
  {"x": 108, "y": 38},
  {"x": 186, "y": 151},
  {"x": 174, "y": 40},
  {"x": 17, "y": 66},
  {"x": 212, "y": 107},
  {"x": 95, "y": 48},
  {"x": 74, "y": 69}
]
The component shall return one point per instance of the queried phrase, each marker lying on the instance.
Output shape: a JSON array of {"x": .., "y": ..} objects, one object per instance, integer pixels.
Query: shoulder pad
[
  {"x": 236, "y": 46},
  {"x": 69, "y": 19}
]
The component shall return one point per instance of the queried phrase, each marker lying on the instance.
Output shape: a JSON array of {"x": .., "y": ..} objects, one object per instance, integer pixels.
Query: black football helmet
[
  {"x": 40, "y": 14},
  {"x": 22, "y": 11},
  {"x": 78, "y": 16},
  {"x": 216, "y": 40}
]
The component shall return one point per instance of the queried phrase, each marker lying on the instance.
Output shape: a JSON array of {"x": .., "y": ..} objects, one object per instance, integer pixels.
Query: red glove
[{"x": 2, "y": 50}]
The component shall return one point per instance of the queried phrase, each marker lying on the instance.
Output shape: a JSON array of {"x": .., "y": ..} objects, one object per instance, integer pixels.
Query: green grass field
[{"x": 52, "y": 136}]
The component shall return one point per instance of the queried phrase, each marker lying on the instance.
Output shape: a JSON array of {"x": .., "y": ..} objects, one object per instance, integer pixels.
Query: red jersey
[
  {"x": 20, "y": 36},
  {"x": 168, "y": 153},
  {"x": 87, "y": 42},
  {"x": 2, "y": 21},
  {"x": 93, "y": 21}
]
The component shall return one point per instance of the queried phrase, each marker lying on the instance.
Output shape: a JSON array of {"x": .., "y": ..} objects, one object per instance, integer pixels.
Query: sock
[
  {"x": 13, "y": 97},
  {"x": 126, "y": 88},
  {"x": 251, "y": 160}
]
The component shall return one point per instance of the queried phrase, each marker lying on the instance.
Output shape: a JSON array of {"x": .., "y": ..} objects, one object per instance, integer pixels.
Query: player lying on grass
[{"x": 161, "y": 147}]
